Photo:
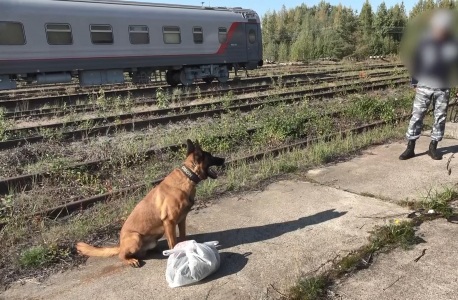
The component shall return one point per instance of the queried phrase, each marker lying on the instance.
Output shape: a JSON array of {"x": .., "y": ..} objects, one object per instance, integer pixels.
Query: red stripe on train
[{"x": 223, "y": 46}]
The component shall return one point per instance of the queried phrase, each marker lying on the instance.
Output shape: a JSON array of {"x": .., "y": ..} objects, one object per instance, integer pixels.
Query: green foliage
[
  {"x": 324, "y": 30},
  {"x": 40, "y": 256},
  {"x": 398, "y": 233},
  {"x": 5, "y": 125},
  {"x": 285, "y": 124},
  {"x": 162, "y": 98},
  {"x": 440, "y": 202},
  {"x": 365, "y": 108},
  {"x": 427, "y": 5},
  {"x": 283, "y": 52},
  {"x": 313, "y": 288}
]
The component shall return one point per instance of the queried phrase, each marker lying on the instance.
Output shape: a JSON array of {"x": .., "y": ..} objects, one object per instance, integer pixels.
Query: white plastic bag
[{"x": 190, "y": 262}]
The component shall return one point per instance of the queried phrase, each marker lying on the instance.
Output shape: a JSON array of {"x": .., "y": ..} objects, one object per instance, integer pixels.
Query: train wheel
[
  {"x": 169, "y": 78},
  {"x": 184, "y": 80},
  {"x": 223, "y": 79},
  {"x": 208, "y": 79}
]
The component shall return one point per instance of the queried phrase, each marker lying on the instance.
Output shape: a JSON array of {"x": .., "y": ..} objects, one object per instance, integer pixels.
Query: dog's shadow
[
  {"x": 241, "y": 236},
  {"x": 232, "y": 262}
]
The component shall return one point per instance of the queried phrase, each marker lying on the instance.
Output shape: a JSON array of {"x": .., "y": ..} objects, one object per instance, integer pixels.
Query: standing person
[{"x": 435, "y": 61}]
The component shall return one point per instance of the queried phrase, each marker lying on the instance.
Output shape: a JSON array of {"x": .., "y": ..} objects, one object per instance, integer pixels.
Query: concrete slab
[
  {"x": 268, "y": 239},
  {"x": 396, "y": 275},
  {"x": 451, "y": 131},
  {"x": 380, "y": 173}
]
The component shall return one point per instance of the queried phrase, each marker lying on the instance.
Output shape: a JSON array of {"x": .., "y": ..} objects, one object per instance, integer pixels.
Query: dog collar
[{"x": 190, "y": 174}]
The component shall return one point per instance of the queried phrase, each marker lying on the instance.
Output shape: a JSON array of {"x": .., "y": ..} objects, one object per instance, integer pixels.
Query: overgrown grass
[
  {"x": 437, "y": 200},
  {"x": 42, "y": 255},
  {"x": 383, "y": 238},
  {"x": 312, "y": 288},
  {"x": 440, "y": 202},
  {"x": 396, "y": 234},
  {"x": 366, "y": 109},
  {"x": 5, "y": 125},
  {"x": 106, "y": 218},
  {"x": 277, "y": 125},
  {"x": 163, "y": 98}
]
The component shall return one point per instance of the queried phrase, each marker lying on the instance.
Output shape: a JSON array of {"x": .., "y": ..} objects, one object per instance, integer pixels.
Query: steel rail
[
  {"x": 24, "y": 182},
  {"x": 60, "y": 111},
  {"x": 202, "y": 110},
  {"x": 68, "y": 208},
  {"x": 34, "y": 103}
]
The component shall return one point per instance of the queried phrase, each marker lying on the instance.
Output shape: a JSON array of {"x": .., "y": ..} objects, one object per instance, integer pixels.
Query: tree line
[{"x": 335, "y": 31}]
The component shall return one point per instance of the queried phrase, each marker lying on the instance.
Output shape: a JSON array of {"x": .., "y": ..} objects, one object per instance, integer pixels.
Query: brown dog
[{"x": 165, "y": 207}]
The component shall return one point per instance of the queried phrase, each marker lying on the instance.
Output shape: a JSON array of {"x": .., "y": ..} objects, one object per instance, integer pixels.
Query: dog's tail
[{"x": 89, "y": 250}]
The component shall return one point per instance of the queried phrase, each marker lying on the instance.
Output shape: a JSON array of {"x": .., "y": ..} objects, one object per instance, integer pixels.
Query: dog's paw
[{"x": 133, "y": 262}]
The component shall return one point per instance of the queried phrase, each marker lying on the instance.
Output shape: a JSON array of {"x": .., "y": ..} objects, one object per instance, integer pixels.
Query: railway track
[
  {"x": 72, "y": 88},
  {"x": 34, "y": 103},
  {"x": 24, "y": 182},
  {"x": 189, "y": 112},
  {"x": 77, "y": 205},
  {"x": 63, "y": 88},
  {"x": 194, "y": 95}
]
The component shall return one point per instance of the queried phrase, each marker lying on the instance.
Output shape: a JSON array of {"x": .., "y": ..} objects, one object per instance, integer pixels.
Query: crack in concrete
[{"x": 381, "y": 198}]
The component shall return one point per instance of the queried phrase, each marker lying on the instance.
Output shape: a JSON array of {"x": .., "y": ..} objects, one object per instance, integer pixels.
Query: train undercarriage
[{"x": 179, "y": 75}]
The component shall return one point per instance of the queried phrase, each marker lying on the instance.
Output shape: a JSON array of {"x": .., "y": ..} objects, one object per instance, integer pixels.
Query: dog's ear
[
  {"x": 197, "y": 145},
  {"x": 198, "y": 153},
  {"x": 191, "y": 147}
]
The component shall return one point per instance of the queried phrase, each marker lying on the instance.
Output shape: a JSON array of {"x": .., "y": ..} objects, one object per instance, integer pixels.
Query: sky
[{"x": 261, "y": 6}]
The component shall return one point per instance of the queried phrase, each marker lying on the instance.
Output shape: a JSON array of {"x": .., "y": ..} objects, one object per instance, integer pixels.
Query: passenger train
[{"x": 97, "y": 41}]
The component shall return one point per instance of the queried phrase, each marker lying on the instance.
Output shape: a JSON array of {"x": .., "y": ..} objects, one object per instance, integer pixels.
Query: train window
[
  {"x": 59, "y": 34},
  {"x": 172, "y": 34},
  {"x": 252, "y": 36},
  {"x": 138, "y": 34},
  {"x": 222, "y": 35},
  {"x": 12, "y": 33},
  {"x": 198, "y": 35},
  {"x": 101, "y": 34}
]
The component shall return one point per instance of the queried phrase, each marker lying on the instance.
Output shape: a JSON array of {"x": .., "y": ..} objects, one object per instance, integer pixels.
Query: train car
[{"x": 97, "y": 41}]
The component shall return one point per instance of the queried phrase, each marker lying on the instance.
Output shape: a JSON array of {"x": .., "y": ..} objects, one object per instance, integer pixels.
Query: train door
[{"x": 252, "y": 41}]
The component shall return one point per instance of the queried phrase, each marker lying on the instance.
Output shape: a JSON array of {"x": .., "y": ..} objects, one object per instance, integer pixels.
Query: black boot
[
  {"x": 410, "y": 151},
  {"x": 433, "y": 151}
]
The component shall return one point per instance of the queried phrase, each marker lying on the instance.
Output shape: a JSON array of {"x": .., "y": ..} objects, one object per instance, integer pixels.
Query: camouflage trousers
[{"x": 423, "y": 98}]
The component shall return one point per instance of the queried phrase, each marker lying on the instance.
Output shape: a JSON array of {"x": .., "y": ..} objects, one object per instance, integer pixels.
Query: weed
[
  {"x": 162, "y": 98},
  {"x": 440, "y": 202},
  {"x": 177, "y": 93},
  {"x": 5, "y": 125},
  {"x": 313, "y": 288},
  {"x": 52, "y": 134},
  {"x": 396, "y": 234},
  {"x": 39, "y": 256},
  {"x": 198, "y": 92},
  {"x": 206, "y": 189},
  {"x": 383, "y": 238},
  {"x": 6, "y": 207},
  {"x": 101, "y": 99},
  {"x": 227, "y": 99}
]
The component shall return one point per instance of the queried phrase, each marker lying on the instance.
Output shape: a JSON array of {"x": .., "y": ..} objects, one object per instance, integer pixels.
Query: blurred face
[{"x": 439, "y": 34}]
